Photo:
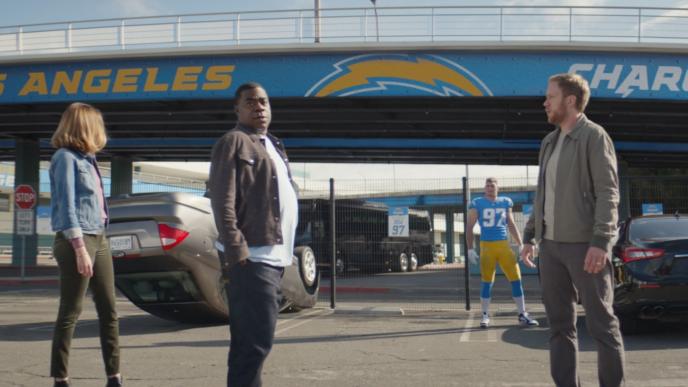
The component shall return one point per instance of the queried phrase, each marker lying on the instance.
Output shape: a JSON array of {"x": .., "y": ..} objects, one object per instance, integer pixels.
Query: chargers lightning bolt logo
[{"x": 398, "y": 74}]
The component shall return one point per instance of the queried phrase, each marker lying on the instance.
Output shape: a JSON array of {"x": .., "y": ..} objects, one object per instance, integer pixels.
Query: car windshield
[{"x": 659, "y": 229}]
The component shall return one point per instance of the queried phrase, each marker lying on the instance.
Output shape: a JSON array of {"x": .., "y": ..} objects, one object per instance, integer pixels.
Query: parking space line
[
  {"x": 466, "y": 335},
  {"x": 304, "y": 318},
  {"x": 491, "y": 335},
  {"x": 470, "y": 327}
]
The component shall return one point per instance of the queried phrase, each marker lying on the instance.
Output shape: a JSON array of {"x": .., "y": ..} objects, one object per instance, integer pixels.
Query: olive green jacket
[{"x": 586, "y": 191}]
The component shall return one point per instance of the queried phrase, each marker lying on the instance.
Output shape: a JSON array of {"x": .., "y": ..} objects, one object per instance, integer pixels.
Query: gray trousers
[{"x": 563, "y": 282}]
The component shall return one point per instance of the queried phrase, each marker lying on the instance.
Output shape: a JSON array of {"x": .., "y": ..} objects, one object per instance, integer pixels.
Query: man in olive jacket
[
  {"x": 574, "y": 219},
  {"x": 255, "y": 209}
]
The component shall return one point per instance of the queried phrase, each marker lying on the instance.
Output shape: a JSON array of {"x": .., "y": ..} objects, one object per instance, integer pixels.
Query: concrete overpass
[{"x": 423, "y": 85}]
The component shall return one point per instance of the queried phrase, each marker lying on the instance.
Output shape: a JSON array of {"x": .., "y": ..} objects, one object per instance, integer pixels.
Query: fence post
[
  {"x": 640, "y": 24},
  {"x": 237, "y": 29},
  {"x": 20, "y": 40},
  {"x": 178, "y": 32},
  {"x": 501, "y": 24},
  {"x": 466, "y": 275},
  {"x": 365, "y": 24},
  {"x": 299, "y": 26},
  {"x": 432, "y": 24},
  {"x": 570, "y": 24},
  {"x": 333, "y": 247},
  {"x": 69, "y": 37},
  {"x": 121, "y": 34}
]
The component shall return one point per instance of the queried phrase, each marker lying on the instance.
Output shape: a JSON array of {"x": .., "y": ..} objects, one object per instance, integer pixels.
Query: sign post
[{"x": 24, "y": 203}]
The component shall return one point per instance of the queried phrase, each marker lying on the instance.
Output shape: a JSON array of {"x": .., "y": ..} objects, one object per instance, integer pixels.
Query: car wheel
[
  {"x": 403, "y": 262},
  {"x": 308, "y": 268},
  {"x": 413, "y": 262}
]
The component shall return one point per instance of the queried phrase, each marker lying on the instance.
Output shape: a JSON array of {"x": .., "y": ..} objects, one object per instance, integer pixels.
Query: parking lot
[{"x": 366, "y": 341}]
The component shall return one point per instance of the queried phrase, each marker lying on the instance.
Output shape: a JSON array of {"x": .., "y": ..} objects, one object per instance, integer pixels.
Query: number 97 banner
[{"x": 398, "y": 224}]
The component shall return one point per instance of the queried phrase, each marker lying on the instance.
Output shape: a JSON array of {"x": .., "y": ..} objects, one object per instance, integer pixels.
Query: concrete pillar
[
  {"x": 26, "y": 171},
  {"x": 449, "y": 221},
  {"x": 624, "y": 191},
  {"x": 122, "y": 175}
]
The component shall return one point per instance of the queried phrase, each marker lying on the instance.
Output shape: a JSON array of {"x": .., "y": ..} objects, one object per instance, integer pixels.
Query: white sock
[
  {"x": 520, "y": 304},
  {"x": 485, "y": 305}
]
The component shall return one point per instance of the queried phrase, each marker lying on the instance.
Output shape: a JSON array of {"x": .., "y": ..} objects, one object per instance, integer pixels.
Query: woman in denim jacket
[{"x": 79, "y": 215}]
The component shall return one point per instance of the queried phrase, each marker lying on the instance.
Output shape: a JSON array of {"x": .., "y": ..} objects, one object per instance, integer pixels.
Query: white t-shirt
[
  {"x": 550, "y": 183},
  {"x": 280, "y": 255}
]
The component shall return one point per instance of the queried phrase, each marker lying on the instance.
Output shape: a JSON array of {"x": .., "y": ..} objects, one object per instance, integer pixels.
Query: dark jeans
[
  {"x": 254, "y": 293},
  {"x": 72, "y": 291},
  {"x": 563, "y": 282}
]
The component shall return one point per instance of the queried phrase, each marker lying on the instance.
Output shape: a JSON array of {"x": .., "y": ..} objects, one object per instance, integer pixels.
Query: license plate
[{"x": 121, "y": 242}]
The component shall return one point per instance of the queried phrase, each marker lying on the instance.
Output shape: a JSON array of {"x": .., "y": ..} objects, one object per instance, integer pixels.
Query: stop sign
[{"x": 24, "y": 197}]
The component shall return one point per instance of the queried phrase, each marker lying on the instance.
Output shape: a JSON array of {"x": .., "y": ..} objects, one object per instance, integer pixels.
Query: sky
[{"x": 24, "y": 12}]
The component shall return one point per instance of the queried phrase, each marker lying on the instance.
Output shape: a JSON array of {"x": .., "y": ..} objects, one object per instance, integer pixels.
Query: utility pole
[
  {"x": 316, "y": 20},
  {"x": 377, "y": 22}
]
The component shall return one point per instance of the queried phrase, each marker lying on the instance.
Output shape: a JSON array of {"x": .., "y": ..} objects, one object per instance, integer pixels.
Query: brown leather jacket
[{"x": 244, "y": 193}]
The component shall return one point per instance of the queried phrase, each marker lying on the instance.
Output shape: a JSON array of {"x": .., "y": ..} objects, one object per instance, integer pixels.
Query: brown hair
[
  {"x": 491, "y": 180},
  {"x": 573, "y": 84},
  {"x": 81, "y": 128}
]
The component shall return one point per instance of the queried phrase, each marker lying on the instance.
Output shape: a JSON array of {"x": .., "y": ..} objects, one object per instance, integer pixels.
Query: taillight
[
  {"x": 636, "y": 253},
  {"x": 170, "y": 236}
]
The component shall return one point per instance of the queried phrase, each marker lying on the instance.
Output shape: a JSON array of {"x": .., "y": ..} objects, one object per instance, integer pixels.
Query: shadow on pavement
[
  {"x": 87, "y": 328},
  {"x": 666, "y": 336}
]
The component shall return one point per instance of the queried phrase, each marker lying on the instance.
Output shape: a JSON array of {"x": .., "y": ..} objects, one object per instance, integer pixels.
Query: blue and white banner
[
  {"x": 439, "y": 74},
  {"x": 398, "y": 224},
  {"x": 653, "y": 209}
]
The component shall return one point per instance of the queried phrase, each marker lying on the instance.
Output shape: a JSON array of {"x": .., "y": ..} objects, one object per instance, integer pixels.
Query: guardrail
[{"x": 353, "y": 25}]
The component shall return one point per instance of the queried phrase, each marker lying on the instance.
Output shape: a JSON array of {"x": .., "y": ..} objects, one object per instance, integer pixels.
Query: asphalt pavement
[{"x": 363, "y": 342}]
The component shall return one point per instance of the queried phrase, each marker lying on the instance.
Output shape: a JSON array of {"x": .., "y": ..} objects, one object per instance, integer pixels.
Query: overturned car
[{"x": 166, "y": 263}]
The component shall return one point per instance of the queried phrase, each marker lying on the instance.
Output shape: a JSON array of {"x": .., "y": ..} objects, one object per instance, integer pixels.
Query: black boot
[
  {"x": 115, "y": 381},
  {"x": 63, "y": 383}
]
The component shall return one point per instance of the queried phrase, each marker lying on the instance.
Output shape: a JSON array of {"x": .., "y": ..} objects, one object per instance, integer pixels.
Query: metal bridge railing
[{"x": 353, "y": 25}]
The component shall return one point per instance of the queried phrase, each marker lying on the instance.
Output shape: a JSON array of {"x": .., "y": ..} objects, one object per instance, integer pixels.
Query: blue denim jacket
[{"x": 74, "y": 205}]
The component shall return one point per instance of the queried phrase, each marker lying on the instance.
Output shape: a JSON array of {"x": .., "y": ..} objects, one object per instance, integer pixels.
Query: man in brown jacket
[
  {"x": 255, "y": 209},
  {"x": 574, "y": 220}
]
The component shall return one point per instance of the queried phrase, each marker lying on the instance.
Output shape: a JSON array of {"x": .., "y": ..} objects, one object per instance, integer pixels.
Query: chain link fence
[{"x": 398, "y": 242}]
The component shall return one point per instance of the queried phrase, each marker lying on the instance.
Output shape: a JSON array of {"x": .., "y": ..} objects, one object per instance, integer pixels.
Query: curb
[
  {"x": 354, "y": 289},
  {"x": 17, "y": 281},
  {"x": 369, "y": 310}
]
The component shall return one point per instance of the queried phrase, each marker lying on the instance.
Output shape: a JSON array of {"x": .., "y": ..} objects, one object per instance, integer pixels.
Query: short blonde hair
[
  {"x": 81, "y": 128},
  {"x": 573, "y": 84}
]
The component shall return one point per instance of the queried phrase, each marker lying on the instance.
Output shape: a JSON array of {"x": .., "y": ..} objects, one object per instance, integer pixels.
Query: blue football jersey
[{"x": 492, "y": 217}]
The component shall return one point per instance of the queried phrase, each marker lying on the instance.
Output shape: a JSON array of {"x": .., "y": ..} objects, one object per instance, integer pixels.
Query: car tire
[
  {"x": 413, "y": 262},
  {"x": 402, "y": 263},
  {"x": 308, "y": 267}
]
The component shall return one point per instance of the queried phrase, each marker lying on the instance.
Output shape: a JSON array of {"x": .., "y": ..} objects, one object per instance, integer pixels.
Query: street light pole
[
  {"x": 316, "y": 20},
  {"x": 377, "y": 23}
]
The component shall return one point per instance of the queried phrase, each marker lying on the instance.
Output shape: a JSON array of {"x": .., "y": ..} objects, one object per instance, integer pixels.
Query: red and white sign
[{"x": 24, "y": 197}]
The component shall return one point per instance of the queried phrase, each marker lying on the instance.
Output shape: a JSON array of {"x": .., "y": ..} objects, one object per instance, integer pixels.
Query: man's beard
[{"x": 557, "y": 116}]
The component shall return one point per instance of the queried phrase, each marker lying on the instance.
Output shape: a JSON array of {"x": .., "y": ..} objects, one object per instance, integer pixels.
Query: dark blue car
[{"x": 651, "y": 271}]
